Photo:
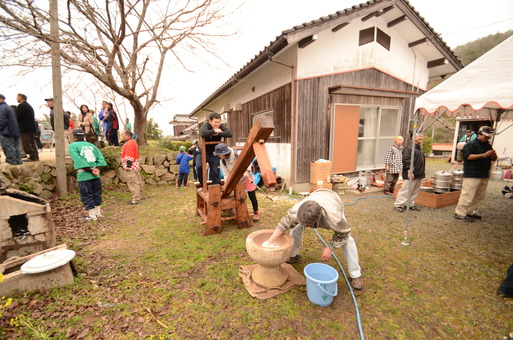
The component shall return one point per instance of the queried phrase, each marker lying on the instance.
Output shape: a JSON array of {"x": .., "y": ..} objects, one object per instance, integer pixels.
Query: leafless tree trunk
[{"x": 124, "y": 44}]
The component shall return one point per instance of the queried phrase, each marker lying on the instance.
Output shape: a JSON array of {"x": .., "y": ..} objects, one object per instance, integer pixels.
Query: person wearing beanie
[
  {"x": 86, "y": 160},
  {"x": 183, "y": 171},
  {"x": 323, "y": 208}
]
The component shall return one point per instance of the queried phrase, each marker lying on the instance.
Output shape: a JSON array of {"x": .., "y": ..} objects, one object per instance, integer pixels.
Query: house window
[
  {"x": 269, "y": 113},
  {"x": 378, "y": 127},
  {"x": 366, "y": 36},
  {"x": 370, "y": 34},
  {"x": 383, "y": 39}
]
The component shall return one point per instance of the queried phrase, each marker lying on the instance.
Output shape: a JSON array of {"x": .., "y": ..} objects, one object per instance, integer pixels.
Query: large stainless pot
[
  {"x": 456, "y": 180},
  {"x": 442, "y": 182}
]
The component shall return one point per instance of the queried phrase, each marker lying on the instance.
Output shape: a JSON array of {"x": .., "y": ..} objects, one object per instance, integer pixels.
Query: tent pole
[{"x": 406, "y": 242}]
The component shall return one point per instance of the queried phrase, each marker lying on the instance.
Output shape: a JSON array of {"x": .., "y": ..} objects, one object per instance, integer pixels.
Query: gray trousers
[
  {"x": 349, "y": 249},
  {"x": 402, "y": 195}
]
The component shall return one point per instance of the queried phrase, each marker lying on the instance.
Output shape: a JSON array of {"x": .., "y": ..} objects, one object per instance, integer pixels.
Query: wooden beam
[
  {"x": 435, "y": 63},
  {"x": 306, "y": 41},
  {"x": 386, "y": 9},
  {"x": 417, "y": 42},
  {"x": 368, "y": 16},
  {"x": 241, "y": 209},
  {"x": 213, "y": 225},
  {"x": 396, "y": 21},
  {"x": 265, "y": 164},
  {"x": 339, "y": 27},
  {"x": 260, "y": 131}
]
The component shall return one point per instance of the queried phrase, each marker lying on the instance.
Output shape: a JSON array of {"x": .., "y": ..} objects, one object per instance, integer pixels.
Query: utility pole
[{"x": 58, "y": 111}]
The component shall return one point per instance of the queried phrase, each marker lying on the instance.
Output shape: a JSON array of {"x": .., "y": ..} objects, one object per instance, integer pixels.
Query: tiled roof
[{"x": 280, "y": 42}]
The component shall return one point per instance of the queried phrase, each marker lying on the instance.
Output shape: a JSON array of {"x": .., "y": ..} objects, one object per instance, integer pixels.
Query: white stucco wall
[
  {"x": 279, "y": 155},
  {"x": 265, "y": 79},
  {"x": 339, "y": 52}
]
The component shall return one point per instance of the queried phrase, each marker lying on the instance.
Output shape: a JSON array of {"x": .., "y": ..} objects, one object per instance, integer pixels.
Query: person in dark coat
[
  {"x": 212, "y": 131},
  {"x": 26, "y": 119},
  {"x": 9, "y": 133},
  {"x": 419, "y": 172},
  {"x": 506, "y": 287}
]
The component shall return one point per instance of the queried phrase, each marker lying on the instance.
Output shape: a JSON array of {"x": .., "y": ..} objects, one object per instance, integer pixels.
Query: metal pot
[
  {"x": 442, "y": 181},
  {"x": 456, "y": 180}
]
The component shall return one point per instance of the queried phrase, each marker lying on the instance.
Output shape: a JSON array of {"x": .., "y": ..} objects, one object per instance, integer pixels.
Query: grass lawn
[{"x": 146, "y": 272}]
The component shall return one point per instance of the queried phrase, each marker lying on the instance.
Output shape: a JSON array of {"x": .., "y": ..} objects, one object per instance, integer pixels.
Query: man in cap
[
  {"x": 86, "y": 160},
  {"x": 9, "y": 133},
  {"x": 227, "y": 156},
  {"x": 478, "y": 156},
  {"x": 27, "y": 125},
  {"x": 323, "y": 208},
  {"x": 50, "y": 102}
]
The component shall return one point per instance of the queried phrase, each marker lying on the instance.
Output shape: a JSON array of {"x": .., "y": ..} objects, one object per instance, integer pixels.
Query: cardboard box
[
  {"x": 320, "y": 184},
  {"x": 319, "y": 171}
]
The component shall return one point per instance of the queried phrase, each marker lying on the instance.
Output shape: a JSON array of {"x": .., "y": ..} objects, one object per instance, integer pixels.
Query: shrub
[
  {"x": 112, "y": 158},
  {"x": 170, "y": 144}
]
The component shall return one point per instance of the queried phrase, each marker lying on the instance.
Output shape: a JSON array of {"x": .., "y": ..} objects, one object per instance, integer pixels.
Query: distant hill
[
  {"x": 470, "y": 51},
  {"x": 467, "y": 53},
  {"x": 474, "y": 49}
]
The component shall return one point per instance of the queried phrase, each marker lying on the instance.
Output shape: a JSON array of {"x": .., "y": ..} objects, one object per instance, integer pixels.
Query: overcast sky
[{"x": 260, "y": 22}]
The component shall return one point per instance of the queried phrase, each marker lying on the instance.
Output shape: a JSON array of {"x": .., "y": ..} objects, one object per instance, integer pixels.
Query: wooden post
[
  {"x": 243, "y": 220},
  {"x": 265, "y": 164},
  {"x": 213, "y": 225},
  {"x": 260, "y": 131}
]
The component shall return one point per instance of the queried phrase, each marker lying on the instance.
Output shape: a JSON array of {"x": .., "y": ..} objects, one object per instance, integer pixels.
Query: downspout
[{"x": 292, "y": 121}]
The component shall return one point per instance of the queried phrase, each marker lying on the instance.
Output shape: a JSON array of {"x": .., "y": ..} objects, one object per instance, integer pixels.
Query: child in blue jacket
[{"x": 183, "y": 159}]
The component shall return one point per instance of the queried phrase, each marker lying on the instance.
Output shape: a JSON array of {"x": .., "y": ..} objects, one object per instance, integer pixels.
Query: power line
[{"x": 475, "y": 28}]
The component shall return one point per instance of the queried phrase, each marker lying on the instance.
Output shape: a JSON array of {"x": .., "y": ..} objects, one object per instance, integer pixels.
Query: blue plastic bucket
[{"x": 321, "y": 283}]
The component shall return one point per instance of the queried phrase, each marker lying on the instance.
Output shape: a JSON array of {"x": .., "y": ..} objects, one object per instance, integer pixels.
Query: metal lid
[{"x": 47, "y": 261}]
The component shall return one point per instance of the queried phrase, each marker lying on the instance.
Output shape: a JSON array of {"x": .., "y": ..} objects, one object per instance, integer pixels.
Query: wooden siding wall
[
  {"x": 314, "y": 116},
  {"x": 240, "y": 122}
]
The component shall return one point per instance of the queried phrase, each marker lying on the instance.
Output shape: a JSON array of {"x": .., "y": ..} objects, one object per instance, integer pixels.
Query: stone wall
[{"x": 40, "y": 178}]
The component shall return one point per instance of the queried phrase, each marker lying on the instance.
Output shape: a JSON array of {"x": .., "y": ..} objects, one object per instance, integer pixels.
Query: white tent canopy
[{"x": 478, "y": 91}]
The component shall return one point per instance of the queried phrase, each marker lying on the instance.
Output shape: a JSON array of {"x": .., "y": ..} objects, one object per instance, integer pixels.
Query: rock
[
  {"x": 110, "y": 174},
  {"x": 149, "y": 160},
  {"x": 5, "y": 181},
  {"x": 6, "y": 170},
  {"x": 39, "y": 168},
  {"x": 53, "y": 172},
  {"x": 37, "y": 189},
  {"x": 166, "y": 164},
  {"x": 167, "y": 177},
  {"x": 45, "y": 194},
  {"x": 174, "y": 168},
  {"x": 149, "y": 169},
  {"x": 15, "y": 171},
  {"x": 106, "y": 181},
  {"x": 50, "y": 186},
  {"x": 121, "y": 174},
  {"x": 171, "y": 157},
  {"x": 161, "y": 172},
  {"x": 161, "y": 182},
  {"x": 142, "y": 159},
  {"x": 115, "y": 180},
  {"x": 159, "y": 159},
  {"x": 150, "y": 181}
]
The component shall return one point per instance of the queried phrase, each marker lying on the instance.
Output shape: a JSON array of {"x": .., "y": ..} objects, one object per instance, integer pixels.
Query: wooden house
[{"x": 340, "y": 87}]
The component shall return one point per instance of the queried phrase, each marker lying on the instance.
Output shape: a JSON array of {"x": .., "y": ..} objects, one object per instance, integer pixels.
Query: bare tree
[{"x": 124, "y": 44}]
